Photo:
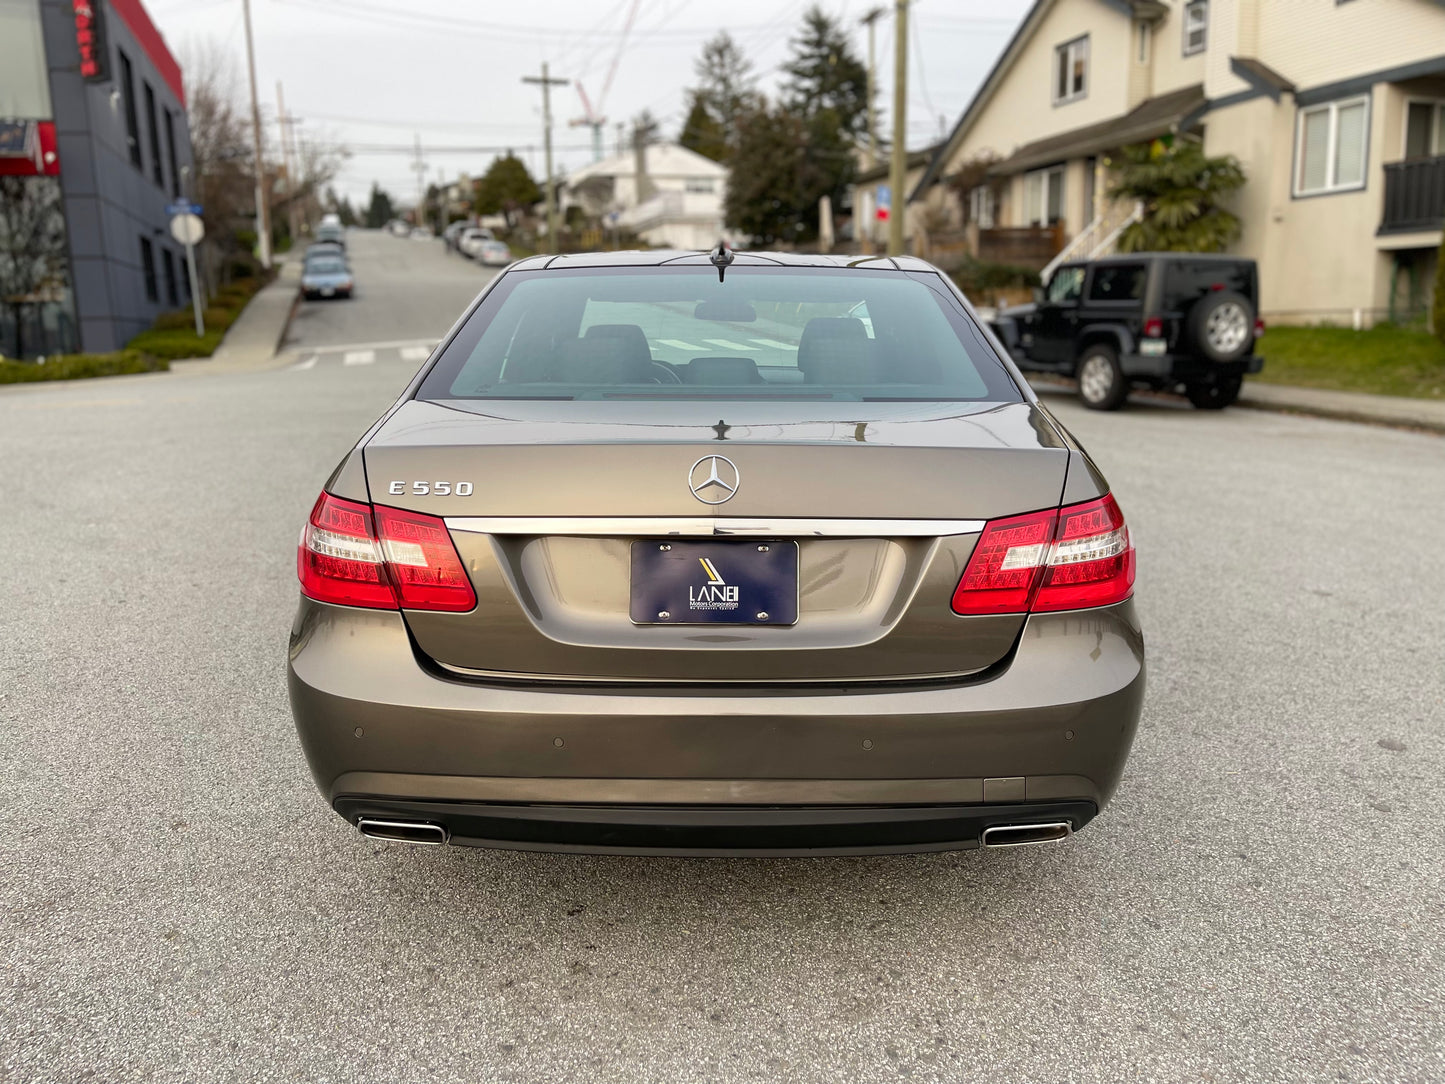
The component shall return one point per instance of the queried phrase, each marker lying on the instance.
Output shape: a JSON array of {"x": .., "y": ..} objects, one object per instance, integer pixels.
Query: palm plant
[{"x": 1182, "y": 191}]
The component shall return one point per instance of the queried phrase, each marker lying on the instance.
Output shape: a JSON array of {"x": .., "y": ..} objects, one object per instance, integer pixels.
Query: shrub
[
  {"x": 77, "y": 366},
  {"x": 177, "y": 343},
  {"x": 1437, "y": 312},
  {"x": 170, "y": 321},
  {"x": 219, "y": 317},
  {"x": 974, "y": 276}
]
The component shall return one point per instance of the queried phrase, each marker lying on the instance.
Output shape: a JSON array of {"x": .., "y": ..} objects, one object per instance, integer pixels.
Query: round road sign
[{"x": 188, "y": 229}]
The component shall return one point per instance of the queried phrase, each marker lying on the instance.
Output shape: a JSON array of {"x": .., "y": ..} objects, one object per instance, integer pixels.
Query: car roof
[
  {"x": 660, "y": 257},
  {"x": 1136, "y": 257}
]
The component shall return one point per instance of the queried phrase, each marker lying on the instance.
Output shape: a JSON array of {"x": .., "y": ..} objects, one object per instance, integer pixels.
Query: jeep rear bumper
[{"x": 1185, "y": 368}]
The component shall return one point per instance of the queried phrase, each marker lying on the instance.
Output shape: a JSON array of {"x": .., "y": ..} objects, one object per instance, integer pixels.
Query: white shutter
[
  {"x": 1350, "y": 145},
  {"x": 1314, "y": 150}
]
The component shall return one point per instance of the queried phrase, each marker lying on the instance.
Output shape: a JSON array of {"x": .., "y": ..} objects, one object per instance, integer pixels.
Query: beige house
[{"x": 1334, "y": 108}]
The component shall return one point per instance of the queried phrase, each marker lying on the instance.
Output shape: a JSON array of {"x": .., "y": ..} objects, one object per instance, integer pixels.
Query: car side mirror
[{"x": 1038, "y": 295}]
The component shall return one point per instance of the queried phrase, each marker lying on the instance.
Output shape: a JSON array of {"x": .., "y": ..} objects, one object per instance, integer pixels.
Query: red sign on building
[{"x": 90, "y": 37}]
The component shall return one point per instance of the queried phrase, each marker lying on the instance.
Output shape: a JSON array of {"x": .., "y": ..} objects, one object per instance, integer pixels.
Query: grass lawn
[{"x": 1385, "y": 360}]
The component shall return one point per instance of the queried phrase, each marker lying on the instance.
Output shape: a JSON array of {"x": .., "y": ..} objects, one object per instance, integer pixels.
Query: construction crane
[{"x": 593, "y": 118}]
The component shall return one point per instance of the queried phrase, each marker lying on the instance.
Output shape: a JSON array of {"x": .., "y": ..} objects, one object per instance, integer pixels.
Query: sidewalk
[
  {"x": 1346, "y": 405},
  {"x": 252, "y": 341}
]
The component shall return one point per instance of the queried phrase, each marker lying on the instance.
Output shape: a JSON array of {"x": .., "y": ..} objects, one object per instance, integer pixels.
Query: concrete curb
[{"x": 1419, "y": 415}]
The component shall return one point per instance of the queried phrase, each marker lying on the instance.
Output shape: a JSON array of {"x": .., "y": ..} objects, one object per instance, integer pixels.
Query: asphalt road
[{"x": 1264, "y": 900}]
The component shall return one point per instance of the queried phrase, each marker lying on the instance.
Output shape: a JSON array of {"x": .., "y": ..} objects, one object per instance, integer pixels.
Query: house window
[
  {"x": 1196, "y": 26},
  {"x": 127, "y": 94},
  {"x": 157, "y": 164},
  {"x": 1424, "y": 129},
  {"x": 171, "y": 154},
  {"x": 148, "y": 268},
  {"x": 1044, "y": 196},
  {"x": 1331, "y": 146},
  {"x": 981, "y": 206},
  {"x": 168, "y": 265},
  {"x": 1071, "y": 70},
  {"x": 703, "y": 184},
  {"x": 1144, "y": 35}
]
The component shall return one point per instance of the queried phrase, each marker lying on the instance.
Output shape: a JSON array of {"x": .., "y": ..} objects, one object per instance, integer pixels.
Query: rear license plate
[
  {"x": 327, "y": 291},
  {"x": 714, "y": 583}
]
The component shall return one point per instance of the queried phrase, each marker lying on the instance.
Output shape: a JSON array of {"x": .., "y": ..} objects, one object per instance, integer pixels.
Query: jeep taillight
[
  {"x": 1154, "y": 327},
  {"x": 352, "y": 554},
  {"x": 1069, "y": 558}
]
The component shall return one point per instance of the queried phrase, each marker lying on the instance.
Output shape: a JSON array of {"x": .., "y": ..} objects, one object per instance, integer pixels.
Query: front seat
[
  {"x": 837, "y": 350},
  {"x": 608, "y": 354}
]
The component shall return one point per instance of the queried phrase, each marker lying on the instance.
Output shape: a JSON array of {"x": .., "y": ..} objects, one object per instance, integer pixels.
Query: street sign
[
  {"x": 885, "y": 202},
  {"x": 188, "y": 229},
  {"x": 184, "y": 208}
]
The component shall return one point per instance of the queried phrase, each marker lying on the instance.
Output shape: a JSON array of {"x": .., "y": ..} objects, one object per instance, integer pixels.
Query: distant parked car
[
  {"x": 326, "y": 276},
  {"x": 329, "y": 232},
  {"x": 328, "y": 249},
  {"x": 494, "y": 254},
  {"x": 471, "y": 241},
  {"x": 398, "y": 228},
  {"x": 421, "y": 233},
  {"x": 453, "y": 233},
  {"x": 1164, "y": 320}
]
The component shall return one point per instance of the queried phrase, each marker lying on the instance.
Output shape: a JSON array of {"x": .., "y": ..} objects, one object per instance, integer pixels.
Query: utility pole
[
  {"x": 263, "y": 212},
  {"x": 288, "y": 164},
  {"x": 547, "y": 83},
  {"x": 898, "y": 170},
  {"x": 419, "y": 165}
]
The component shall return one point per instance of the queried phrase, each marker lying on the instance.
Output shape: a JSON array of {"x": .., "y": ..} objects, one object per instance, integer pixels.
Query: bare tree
[
  {"x": 222, "y": 180},
  {"x": 32, "y": 247}
]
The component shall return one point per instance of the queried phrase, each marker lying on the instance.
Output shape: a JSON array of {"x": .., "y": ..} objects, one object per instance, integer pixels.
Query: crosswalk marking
[
  {"x": 774, "y": 344},
  {"x": 309, "y": 363},
  {"x": 415, "y": 353},
  {"x": 359, "y": 357},
  {"x": 728, "y": 344},
  {"x": 679, "y": 344}
]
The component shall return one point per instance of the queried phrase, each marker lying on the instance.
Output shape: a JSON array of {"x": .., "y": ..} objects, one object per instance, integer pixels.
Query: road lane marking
[
  {"x": 309, "y": 363},
  {"x": 359, "y": 357},
  {"x": 728, "y": 344},
  {"x": 387, "y": 345},
  {"x": 678, "y": 344},
  {"x": 774, "y": 344},
  {"x": 415, "y": 353}
]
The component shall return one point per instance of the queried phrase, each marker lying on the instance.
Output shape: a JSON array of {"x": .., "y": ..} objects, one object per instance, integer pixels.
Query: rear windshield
[
  {"x": 1187, "y": 280},
  {"x": 324, "y": 266},
  {"x": 679, "y": 333}
]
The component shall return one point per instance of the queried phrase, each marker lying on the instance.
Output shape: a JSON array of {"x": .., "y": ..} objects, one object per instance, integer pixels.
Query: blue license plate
[{"x": 714, "y": 583}]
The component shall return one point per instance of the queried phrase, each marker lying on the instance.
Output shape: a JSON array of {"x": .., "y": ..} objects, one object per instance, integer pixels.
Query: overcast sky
[{"x": 372, "y": 74}]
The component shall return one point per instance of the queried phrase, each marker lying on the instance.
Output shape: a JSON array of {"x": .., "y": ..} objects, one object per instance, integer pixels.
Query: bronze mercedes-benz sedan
[{"x": 717, "y": 554}]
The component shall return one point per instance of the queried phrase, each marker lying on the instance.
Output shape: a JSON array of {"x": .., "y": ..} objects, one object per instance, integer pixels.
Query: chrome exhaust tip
[
  {"x": 418, "y": 832},
  {"x": 1022, "y": 835}
]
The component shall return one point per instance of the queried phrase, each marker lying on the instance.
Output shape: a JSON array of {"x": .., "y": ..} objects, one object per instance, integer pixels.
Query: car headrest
[
  {"x": 836, "y": 350},
  {"x": 607, "y": 354},
  {"x": 721, "y": 371}
]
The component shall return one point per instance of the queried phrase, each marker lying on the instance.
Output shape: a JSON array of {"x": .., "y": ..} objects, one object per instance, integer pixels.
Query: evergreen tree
[
  {"x": 725, "y": 84},
  {"x": 506, "y": 188},
  {"x": 827, "y": 84},
  {"x": 703, "y": 133},
  {"x": 774, "y": 179},
  {"x": 379, "y": 210}
]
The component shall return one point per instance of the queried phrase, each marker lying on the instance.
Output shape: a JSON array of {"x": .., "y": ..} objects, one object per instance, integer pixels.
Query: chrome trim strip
[{"x": 708, "y": 527}]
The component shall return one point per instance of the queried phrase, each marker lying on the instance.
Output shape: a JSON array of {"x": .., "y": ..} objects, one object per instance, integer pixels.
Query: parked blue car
[{"x": 326, "y": 276}]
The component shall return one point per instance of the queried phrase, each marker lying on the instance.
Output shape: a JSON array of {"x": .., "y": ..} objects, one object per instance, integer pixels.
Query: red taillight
[
  {"x": 1069, "y": 559},
  {"x": 1154, "y": 327},
  {"x": 423, "y": 562},
  {"x": 354, "y": 555},
  {"x": 1258, "y": 326}
]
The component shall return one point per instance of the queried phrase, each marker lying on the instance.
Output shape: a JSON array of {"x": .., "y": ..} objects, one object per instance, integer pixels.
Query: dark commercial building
[{"x": 93, "y": 147}]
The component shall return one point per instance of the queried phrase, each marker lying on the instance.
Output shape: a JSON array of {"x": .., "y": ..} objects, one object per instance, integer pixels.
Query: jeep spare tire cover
[{"x": 1221, "y": 326}]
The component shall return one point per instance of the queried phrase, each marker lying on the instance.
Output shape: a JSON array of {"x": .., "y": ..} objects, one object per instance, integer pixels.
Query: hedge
[{"x": 78, "y": 366}]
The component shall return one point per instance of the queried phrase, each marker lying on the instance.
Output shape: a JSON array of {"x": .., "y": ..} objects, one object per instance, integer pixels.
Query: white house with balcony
[
  {"x": 674, "y": 200},
  {"x": 1334, "y": 108}
]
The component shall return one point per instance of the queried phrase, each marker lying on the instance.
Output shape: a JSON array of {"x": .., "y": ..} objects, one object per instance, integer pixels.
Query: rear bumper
[
  {"x": 1181, "y": 368},
  {"x": 720, "y": 769}
]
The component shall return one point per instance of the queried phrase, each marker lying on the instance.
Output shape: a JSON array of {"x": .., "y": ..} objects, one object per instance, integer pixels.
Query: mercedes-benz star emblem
[{"x": 713, "y": 479}]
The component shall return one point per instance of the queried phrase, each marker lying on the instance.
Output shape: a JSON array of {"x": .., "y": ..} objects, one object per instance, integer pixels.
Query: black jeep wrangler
[{"x": 1164, "y": 320}]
